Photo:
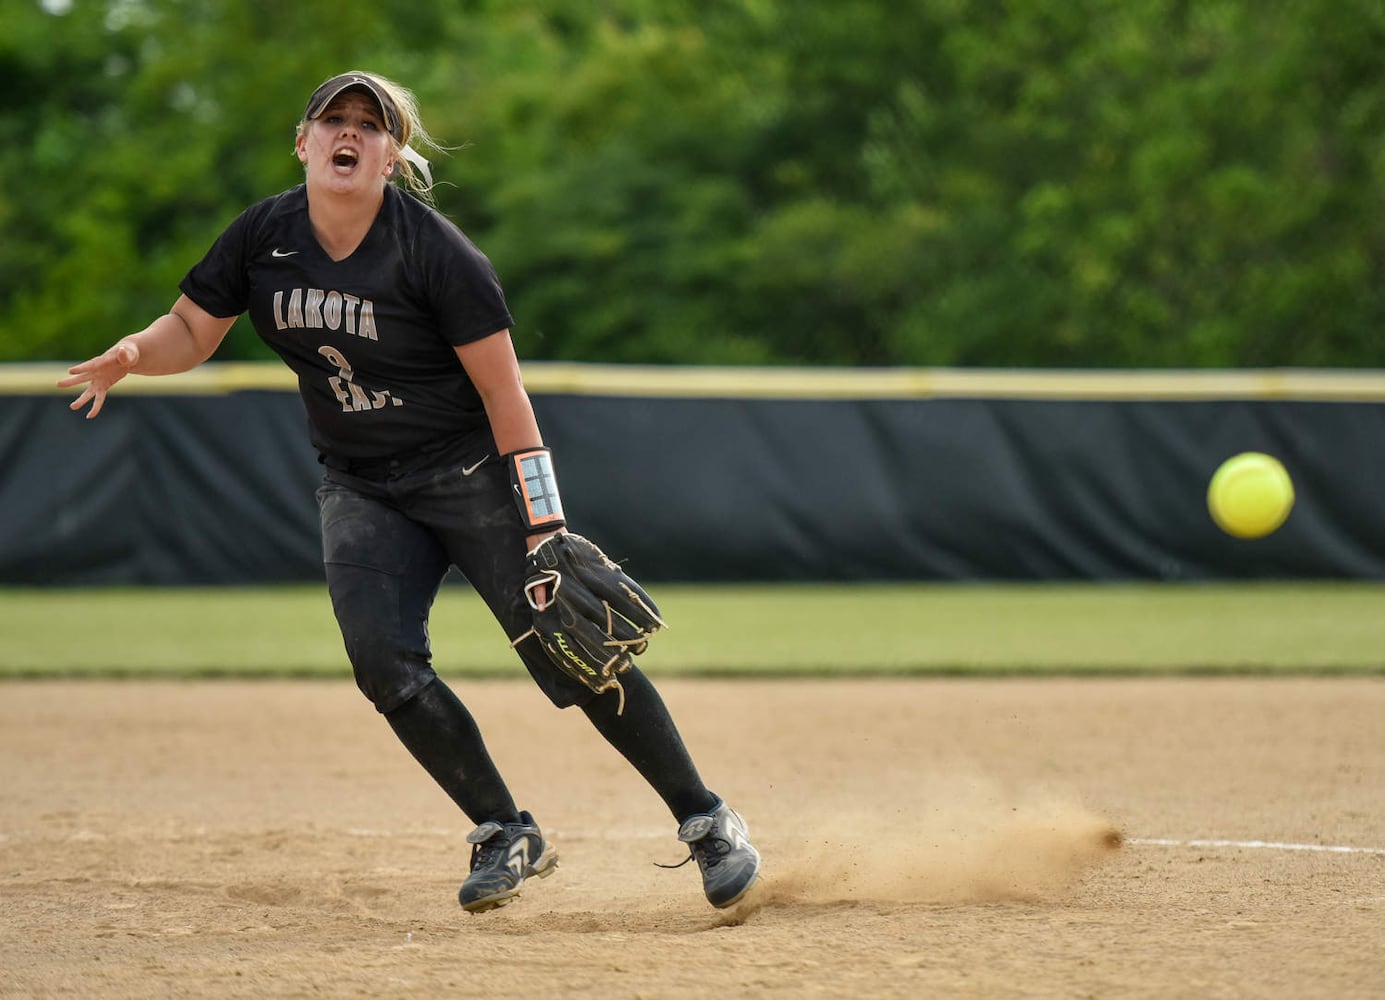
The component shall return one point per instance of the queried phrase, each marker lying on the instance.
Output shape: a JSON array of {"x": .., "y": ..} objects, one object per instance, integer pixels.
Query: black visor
[{"x": 325, "y": 94}]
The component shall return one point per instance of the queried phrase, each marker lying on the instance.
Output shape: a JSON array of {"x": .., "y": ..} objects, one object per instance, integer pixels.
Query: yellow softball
[{"x": 1250, "y": 495}]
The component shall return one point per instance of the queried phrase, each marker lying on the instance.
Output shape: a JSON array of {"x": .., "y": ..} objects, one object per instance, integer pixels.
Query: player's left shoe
[
  {"x": 503, "y": 855},
  {"x": 720, "y": 842}
]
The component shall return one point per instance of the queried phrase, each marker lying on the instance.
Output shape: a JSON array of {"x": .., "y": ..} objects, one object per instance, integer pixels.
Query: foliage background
[{"x": 1182, "y": 183}]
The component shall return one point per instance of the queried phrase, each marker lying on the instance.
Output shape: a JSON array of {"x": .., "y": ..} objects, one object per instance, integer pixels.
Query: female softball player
[{"x": 399, "y": 333}]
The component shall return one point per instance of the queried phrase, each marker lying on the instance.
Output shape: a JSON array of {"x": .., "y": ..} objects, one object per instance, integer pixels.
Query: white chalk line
[
  {"x": 653, "y": 834},
  {"x": 1254, "y": 845}
]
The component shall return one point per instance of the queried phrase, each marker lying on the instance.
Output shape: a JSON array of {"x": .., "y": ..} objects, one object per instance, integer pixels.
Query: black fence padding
[{"x": 218, "y": 489}]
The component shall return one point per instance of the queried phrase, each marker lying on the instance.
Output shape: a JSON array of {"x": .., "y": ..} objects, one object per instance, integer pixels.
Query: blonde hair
[{"x": 410, "y": 168}]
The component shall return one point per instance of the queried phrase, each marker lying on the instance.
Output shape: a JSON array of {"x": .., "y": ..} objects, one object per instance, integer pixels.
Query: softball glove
[{"x": 596, "y": 617}]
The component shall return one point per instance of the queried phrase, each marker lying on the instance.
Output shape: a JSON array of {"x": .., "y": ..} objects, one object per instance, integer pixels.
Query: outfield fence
[{"x": 735, "y": 474}]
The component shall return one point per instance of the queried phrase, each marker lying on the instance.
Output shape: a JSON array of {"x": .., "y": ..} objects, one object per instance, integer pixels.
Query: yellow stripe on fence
[{"x": 694, "y": 382}]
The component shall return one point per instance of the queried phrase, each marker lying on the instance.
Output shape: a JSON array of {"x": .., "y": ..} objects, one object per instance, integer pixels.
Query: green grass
[{"x": 872, "y": 629}]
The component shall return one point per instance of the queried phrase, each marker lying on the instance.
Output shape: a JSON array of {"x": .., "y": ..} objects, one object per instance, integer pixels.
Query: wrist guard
[{"x": 536, "y": 489}]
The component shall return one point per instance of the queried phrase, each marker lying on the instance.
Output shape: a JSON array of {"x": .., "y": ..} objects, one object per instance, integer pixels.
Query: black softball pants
[{"x": 388, "y": 541}]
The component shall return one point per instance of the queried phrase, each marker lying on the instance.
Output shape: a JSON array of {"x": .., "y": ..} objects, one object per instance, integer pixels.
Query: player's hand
[
  {"x": 99, "y": 374},
  {"x": 542, "y": 594}
]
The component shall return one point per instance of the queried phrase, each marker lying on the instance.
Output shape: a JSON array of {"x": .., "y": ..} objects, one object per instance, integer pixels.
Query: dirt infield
[{"x": 922, "y": 838}]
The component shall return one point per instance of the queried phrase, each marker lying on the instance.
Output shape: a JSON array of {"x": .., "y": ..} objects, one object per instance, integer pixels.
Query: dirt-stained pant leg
[
  {"x": 383, "y": 573},
  {"x": 472, "y": 511}
]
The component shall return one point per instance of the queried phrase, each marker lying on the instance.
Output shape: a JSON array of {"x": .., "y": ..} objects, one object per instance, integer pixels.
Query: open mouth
[{"x": 345, "y": 158}]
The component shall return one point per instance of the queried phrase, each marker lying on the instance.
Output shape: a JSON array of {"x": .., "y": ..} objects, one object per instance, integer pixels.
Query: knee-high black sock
[
  {"x": 646, "y": 736},
  {"x": 441, "y": 734}
]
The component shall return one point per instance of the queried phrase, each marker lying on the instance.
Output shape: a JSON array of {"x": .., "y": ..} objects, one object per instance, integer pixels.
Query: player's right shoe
[
  {"x": 503, "y": 855},
  {"x": 720, "y": 842}
]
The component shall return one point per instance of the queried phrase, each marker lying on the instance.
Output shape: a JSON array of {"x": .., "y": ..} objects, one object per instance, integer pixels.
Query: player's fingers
[
  {"x": 82, "y": 400},
  {"x": 79, "y": 373},
  {"x": 539, "y": 590},
  {"x": 91, "y": 394},
  {"x": 125, "y": 355}
]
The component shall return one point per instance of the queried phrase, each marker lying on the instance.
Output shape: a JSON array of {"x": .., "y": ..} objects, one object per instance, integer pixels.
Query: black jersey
[{"x": 370, "y": 337}]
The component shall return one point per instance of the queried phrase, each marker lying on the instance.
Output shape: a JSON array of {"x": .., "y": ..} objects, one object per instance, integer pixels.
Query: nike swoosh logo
[
  {"x": 469, "y": 469},
  {"x": 282, "y": 253}
]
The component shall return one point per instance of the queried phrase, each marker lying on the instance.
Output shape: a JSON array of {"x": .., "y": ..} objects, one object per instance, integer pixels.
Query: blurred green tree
[{"x": 965, "y": 182}]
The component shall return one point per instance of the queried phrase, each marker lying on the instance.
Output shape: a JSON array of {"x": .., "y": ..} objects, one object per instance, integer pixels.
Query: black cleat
[
  {"x": 720, "y": 842},
  {"x": 503, "y": 855}
]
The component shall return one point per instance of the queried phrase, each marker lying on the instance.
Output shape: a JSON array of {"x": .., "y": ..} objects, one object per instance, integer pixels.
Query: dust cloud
[{"x": 978, "y": 843}]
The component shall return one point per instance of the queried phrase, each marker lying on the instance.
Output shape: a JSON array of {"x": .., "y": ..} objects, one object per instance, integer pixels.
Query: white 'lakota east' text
[{"x": 316, "y": 309}]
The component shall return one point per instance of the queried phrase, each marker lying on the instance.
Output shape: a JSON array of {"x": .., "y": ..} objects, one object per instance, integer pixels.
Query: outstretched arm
[{"x": 178, "y": 341}]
